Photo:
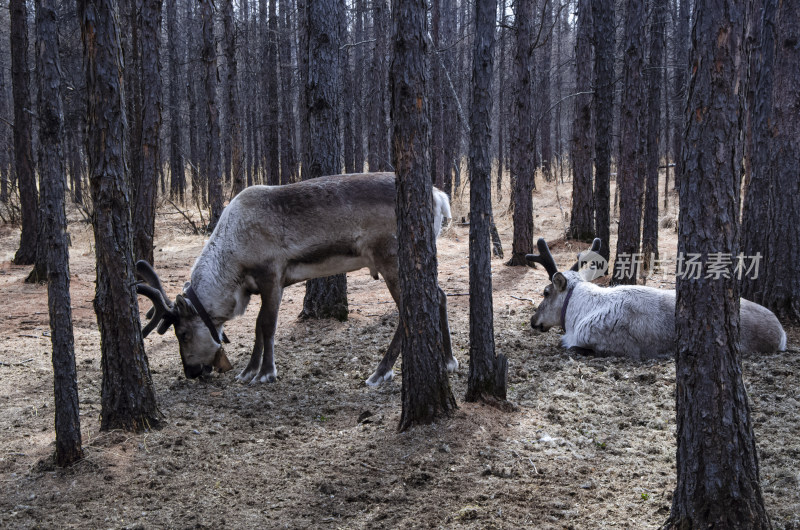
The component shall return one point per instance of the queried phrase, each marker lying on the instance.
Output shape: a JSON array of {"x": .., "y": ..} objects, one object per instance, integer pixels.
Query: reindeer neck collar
[
  {"x": 218, "y": 337},
  {"x": 564, "y": 308}
]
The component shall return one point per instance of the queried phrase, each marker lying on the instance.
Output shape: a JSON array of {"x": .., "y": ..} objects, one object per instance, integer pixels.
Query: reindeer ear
[
  {"x": 184, "y": 307},
  {"x": 560, "y": 281},
  {"x": 596, "y": 244}
]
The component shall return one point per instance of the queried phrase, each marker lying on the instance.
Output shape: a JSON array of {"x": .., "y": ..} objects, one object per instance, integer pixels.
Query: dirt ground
[{"x": 590, "y": 446}]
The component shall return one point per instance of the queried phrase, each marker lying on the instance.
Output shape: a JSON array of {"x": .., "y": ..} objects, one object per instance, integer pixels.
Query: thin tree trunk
[
  {"x": 487, "y": 372},
  {"x": 523, "y": 145},
  {"x": 426, "y": 390},
  {"x": 378, "y": 138},
  {"x": 544, "y": 89},
  {"x": 501, "y": 108},
  {"x": 234, "y": 120},
  {"x": 325, "y": 297},
  {"x": 658, "y": 35},
  {"x": 603, "y": 22},
  {"x": 288, "y": 155},
  {"x": 5, "y": 133},
  {"x": 212, "y": 113},
  {"x": 681, "y": 71},
  {"x": 144, "y": 207},
  {"x": 194, "y": 113},
  {"x": 581, "y": 224},
  {"x": 128, "y": 398},
  {"x": 177, "y": 171},
  {"x": 358, "y": 80},
  {"x": 772, "y": 203},
  {"x": 273, "y": 141},
  {"x": 630, "y": 171},
  {"x": 23, "y": 148},
  {"x": 717, "y": 462},
  {"x": 54, "y": 231}
]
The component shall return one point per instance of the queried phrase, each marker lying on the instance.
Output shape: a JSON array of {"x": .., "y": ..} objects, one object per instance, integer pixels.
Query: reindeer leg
[
  {"x": 384, "y": 370},
  {"x": 270, "y": 303},
  {"x": 247, "y": 375},
  {"x": 452, "y": 362}
]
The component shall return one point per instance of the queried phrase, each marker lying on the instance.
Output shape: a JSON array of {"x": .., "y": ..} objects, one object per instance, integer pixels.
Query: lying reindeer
[
  {"x": 631, "y": 320},
  {"x": 270, "y": 237}
]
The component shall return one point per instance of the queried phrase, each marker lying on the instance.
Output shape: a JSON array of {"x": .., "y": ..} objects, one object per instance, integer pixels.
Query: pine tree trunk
[
  {"x": 603, "y": 22},
  {"x": 681, "y": 54},
  {"x": 234, "y": 121},
  {"x": 631, "y": 166},
  {"x": 273, "y": 106},
  {"x": 487, "y": 372},
  {"x": 54, "y": 232},
  {"x": 212, "y": 113},
  {"x": 325, "y": 297},
  {"x": 426, "y": 390},
  {"x": 23, "y": 149},
  {"x": 359, "y": 68},
  {"x": 523, "y": 146},
  {"x": 581, "y": 225},
  {"x": 545, "y": 127},
  {"x": 654, "y": 78},
  {"x": 287, "y": 130},
  {"x": 5, "y": 134},
  {"x": 193, "y": 28},
  {"x": 772, "y": 203},
  {"x": 128, "y": 398},
  {"x": 717, "y": 462},
  {"x": 177, "y": 171},
  {"x": 144, "y": 207},
  {"x": 378, "y": 138}
]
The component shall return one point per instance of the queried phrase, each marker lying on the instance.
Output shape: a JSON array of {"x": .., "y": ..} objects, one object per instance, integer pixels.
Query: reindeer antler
[
  {"x": 162, "y": 313},
  {"x": 596, "y": 244},
  {"x": 544, "y": 258}
]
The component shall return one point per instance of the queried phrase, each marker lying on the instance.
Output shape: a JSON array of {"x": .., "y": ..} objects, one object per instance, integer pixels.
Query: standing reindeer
[
  {"x": 630, "y": 320},
  {"x": 270, "y": 237}
]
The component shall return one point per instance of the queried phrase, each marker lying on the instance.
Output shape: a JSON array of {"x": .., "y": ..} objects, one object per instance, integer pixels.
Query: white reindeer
[
  {"x": 630, "y": 320},
  {"x": 270, "y": 237}
]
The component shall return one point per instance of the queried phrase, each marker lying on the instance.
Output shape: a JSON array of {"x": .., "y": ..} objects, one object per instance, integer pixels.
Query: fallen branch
[
  {"x": 523, "y": 299},
  {"x": 185, "y": 216}
]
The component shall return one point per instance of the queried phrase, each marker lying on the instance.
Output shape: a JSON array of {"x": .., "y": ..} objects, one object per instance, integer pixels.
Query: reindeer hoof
[
  {"x": 270, "y": 377},
  {"x": 377, "y": 379},
  {"x": 245, "y": 377},
  {"x": 452, "y": 365}
]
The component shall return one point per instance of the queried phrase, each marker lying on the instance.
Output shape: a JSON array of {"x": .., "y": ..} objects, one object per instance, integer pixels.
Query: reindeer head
[
  {"x": 550, "y": 311},
  {"x": 200, "y": 349}
]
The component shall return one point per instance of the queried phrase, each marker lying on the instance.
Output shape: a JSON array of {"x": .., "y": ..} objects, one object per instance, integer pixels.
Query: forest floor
[{"x": 591, "y": 444}]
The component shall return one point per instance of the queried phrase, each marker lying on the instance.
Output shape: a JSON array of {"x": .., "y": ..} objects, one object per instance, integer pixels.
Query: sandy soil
[{"x": 590, "y": 446}]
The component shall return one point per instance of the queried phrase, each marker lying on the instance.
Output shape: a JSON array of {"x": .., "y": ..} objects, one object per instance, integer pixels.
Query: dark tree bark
[
  {"x": 681, "y": 70},
  {"x": 631, "y": 166},
  {"x": 426, "y": 389},
  {"x": 23, "y": 149},
  {"x": 54, "y": 231},
  {"x": 487, "y": 372},
  {"x": 212, "y": 113},
  {"x": 378, "y": 154},
  {"x": 132, "y": 72},
  {"x": 603, "y": 21},
  {"x": 501, "y": 107},
  {"x": 358, "y": 81},
  {"x": 325, "y": 297},
  {"x": 717, "y": 462},
  {"x": 192, "y": 73},
  {"x": 128, "y": 397},
  {"x": 234, "y": 121},
  {"x": 144, "y": 206},
  {"x": 287, "y": 129},
  {"x": 581, "y": 225},
  {"x": 5, "y": 134},
  {"x": 523, "y": 146},
  {"x": 772, "y": 204},
  {"x": 654, "y": 77},
  {"x": 177, "y": 172},
  {"x": 438, "y": 157},
  {"x": 273, "y": 106},
  {"x": 346, "y": 83},
  {"x": 545, "y": 127}
]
